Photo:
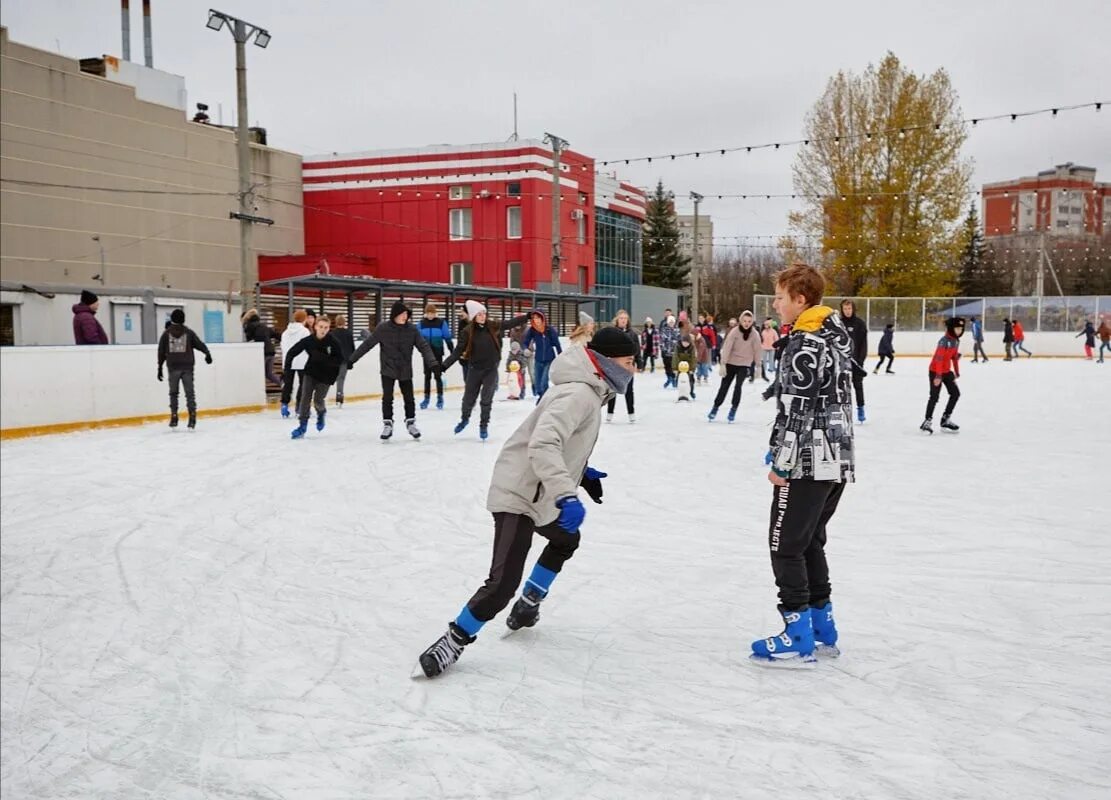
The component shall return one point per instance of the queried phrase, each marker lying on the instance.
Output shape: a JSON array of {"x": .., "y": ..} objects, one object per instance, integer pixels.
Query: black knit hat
[
  {"x": 400, "y": 308},
  {"x": 177, "y": 316},
  {"x": 88, "y": 298},
  {"x": 952, "y": 323},
  {"x": 612, "y": 343}
]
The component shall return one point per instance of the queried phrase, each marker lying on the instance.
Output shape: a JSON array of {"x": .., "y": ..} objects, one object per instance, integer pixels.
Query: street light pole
[
  {"x": 242, "y": 32},
  {"x": 695, "y": 270},
  {"x": 558, "y": 146}
]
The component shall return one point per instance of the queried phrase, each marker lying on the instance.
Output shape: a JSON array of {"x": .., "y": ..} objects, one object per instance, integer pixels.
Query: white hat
[
  {"x": 648, "y": 321},
  {"x": 585, "y": 319},
  {"x": 474, "y": 308}
]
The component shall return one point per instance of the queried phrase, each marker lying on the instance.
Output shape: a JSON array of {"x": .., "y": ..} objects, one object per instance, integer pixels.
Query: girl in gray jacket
[{"x": 534, "y": 490}]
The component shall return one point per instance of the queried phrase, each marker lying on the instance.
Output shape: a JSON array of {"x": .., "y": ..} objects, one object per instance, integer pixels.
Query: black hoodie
[
  {"x": 176, "y": 347},
  {"x": 325, "y": 357},
  {"x": 398, "y": 341}
]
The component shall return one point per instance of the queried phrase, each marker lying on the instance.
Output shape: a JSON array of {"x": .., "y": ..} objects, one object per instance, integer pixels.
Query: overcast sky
[{"x": 618, "y": 79}]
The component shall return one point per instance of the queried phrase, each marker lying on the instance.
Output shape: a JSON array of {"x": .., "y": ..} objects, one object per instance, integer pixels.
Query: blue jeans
[
  {"x": 540, "y": 382},
  {"x": 1104, "y": 346},
  {"x": 769, "y": 361}
]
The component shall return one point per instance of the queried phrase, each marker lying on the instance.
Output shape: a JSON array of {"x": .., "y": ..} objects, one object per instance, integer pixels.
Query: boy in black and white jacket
[{"x": 811, "y": 459}]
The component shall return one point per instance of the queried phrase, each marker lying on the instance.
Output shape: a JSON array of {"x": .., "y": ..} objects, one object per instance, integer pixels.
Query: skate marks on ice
[{"x": 275, "y": 608}]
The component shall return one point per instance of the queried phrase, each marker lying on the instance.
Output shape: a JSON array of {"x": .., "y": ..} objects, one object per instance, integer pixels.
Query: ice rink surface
[{"x": 229, "y": 614}]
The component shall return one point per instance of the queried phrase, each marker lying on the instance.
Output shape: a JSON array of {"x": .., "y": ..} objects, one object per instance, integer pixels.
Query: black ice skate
[
  {"x": 927, "y": 426},
  {"x": 411, "y": 426},
  {"x": 173, "y": 419},
  {"x": 526, "y": 611},
  {"x": 192, "y": 420},
  {"x": 387, "y": 430},
  {"x": 445, "y": 651},
  {"x": 949, "y": 425}
]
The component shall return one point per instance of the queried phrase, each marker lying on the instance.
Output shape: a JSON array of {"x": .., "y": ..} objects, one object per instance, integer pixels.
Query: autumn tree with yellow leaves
[{"x": 884, "y": 182}]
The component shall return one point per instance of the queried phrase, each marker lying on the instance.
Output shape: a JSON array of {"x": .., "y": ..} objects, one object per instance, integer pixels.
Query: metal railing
[{"x": 1049, "y": 314}]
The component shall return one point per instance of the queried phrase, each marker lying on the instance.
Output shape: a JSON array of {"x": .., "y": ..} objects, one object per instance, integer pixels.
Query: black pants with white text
[
  {"x": 797, "y": 540},
  {"x": 512, "y": 540}
]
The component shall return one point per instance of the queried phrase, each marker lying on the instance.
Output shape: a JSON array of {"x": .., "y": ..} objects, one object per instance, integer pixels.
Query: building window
[
  {"x": 513, "y": 275},
  {"x": 462, "y": 273},
  {"x": 7, "y": 325},
  {"x": 1062, "y": 223},
  {"x": 513, "y": 222},
  {"x": 582, "y": 280},
  {"x": 459, "y": 192},
  {"x": 459, "y": 223},
  {"x": 513, "y": 189}
]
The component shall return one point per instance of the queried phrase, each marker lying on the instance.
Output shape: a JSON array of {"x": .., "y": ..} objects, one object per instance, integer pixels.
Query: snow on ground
[{"x": 229, "y": 614}]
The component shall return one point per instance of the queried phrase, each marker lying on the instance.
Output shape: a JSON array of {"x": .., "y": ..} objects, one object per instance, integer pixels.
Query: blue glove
[
  {"x": 592, "y": 482},
  {"x": 768, "y": 457},
  {"x": 571, "y": 513}
]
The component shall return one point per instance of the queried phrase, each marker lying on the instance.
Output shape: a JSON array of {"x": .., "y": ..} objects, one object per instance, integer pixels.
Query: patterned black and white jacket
[{"x": 813, "y": 434}]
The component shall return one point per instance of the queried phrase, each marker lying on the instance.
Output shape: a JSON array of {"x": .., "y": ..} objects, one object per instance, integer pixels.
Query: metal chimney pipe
[
  {"x": 125, "y": 22},
  {"x": 148, "y": 45}
]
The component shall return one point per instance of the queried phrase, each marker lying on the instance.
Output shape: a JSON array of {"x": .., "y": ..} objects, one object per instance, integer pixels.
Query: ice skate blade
[
  {"x": 791, "y": 662},
  {"x": 826, "y": 651}
]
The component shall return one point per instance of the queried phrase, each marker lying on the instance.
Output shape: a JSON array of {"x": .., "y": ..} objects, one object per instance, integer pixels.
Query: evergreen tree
[
  {"x": 664, "y": 265},
  {"x": 977, "y": 276}
]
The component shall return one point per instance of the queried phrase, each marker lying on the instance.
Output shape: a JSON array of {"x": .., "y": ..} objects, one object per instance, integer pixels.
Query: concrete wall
[
  {"x": 650, "y": 301},
  {"x": 62, "y": 386},
  {"x": 39, "y": 320},
  {"x": 172, "y": 182}
]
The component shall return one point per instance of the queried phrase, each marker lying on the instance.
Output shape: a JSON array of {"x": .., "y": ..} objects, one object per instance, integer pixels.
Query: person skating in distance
[
  {"x": 945, "y": 369},
  {"x": 534, "y": 489}
]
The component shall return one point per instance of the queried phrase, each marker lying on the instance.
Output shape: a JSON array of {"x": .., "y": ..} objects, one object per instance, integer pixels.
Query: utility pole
[
  {"x": 558, "y": 146},
  {"x": 242, "y": 32},
  {"x": 696, "y": 268}
]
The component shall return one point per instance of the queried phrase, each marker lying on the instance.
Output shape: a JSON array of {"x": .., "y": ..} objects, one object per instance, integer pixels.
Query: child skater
[
  {"x": 649, "y": 345},
  {"x": 811, "y": 463},
  {"x": 886, "y": 349},
  {"x": 546, "y": 341},
  {"x": 704, "y": 353},
  {"x": 534, "y": 490},
  {"x": 398, "y": 337},
  {"x": 1089, "y": 334},
  {"x": 621, "y": 323},
  {"x": 1104, "y": 334},
  {"x": 515, "y": 366},
  {"x": 175, "y": 349},
  {"x": 295, "y": 331},
  {"x": 945, "y": 368},
  {"x": 684, "y": 354},
  {"x": 325, "y": 358},
  {"x": 438, "y": 334}
]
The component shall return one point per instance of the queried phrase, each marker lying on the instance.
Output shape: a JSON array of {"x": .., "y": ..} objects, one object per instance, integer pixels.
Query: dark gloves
[
  {"x": 208, "y": 358},
  {"x": 350, "y": 364},
  {"x": 160, "y": 373},
  {"x": 592, "y": 482},
  {"x": 571, "y": 513}
]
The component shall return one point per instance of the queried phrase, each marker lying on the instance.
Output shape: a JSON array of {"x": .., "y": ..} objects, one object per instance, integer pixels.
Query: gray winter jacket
[
  {"x": 396, "y": 356},
  {"x": 546, "y": 456},
  {"x": 813, "y": 434}
]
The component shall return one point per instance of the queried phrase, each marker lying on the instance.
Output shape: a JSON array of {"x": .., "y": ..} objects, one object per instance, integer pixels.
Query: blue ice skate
[
  {"x": 299, "y": 431},
  {"x": 461, "y": 425},
  {"x": 424, "y": 404},
  {"x": 732, "y": 415},
  {"x": 794, "y": 648},
  {"x": 483, "y": 433},
  {"x": 439, "y": 404},
  {"x": 285, "y": 410},
  {"x": 825, "y": 630},
  {"x": 713, "y": 413},
  {"x": 860, "y": 413},
  {"x": 320, "y": 420}
]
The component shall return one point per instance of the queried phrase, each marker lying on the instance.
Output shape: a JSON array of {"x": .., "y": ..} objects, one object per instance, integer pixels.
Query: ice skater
[
  {"x": 1104, "y": 334},
  {"x": 545, "y": 340},
  {"x": 649, "y": 345},
  {"x": 669, "y": 340},
  {"x": 324, "y": 361},
  {"x": 945, "y": 369},
  {"x": 742, "y": 345},
  {"x": 858, "y": 330},
  {"x": 398, "y": 337},
  {"x": 515, "y": 368},
  {"x": 255, "y": 331},
  {"x": 1089, "y": 334},
  {"x": 886, "y": 349},
  {"x": 342, "y": 334},
  {"x": 1020, "y": 339},
  {"x": 978, "y": 342},
  {"x": 175, "y": 350},
  {"x": 621, "y": 324},
  {"x": 812, "y": 460},
  {"x": 684, "y": 362},
  {"x": 583, "y": 331},
  {"x": 704, "y": 354},
  {"x": 438, "y": 334},
  {"x": 768, "y": 337},
  {"x": 534, "y": 489},
  {"x": 479, "y": 345},
  {"x": 1008, "y": 340},
  {"x": 294, "y": 332}
]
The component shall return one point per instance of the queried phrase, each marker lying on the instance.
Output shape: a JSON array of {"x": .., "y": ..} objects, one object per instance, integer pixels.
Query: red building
[
  {"x": 471, "y": 214},
  {"x": 1063, "y": 201}
]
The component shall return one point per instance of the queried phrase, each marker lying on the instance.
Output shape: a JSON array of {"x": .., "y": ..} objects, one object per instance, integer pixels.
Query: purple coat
[{"x": 86, "y": 329}]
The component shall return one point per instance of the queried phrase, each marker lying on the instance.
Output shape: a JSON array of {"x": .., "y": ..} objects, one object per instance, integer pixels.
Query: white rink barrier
[
  {"x": 64, "y": 388},
  {"x": 923, "y": 343}
]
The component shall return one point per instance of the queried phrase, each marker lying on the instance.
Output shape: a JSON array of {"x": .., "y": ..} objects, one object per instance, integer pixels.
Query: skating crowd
[{"x": 813, "y": 362}]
